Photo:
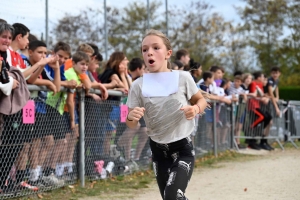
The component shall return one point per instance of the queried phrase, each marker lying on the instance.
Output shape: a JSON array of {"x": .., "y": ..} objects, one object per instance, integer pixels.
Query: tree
[
  {"x": 127, "y": 29},
  {"x": 200, "y": 31},
  {"x": 264, "y": 21},
  {"x": 237, "y": 54},
  {"x": 80, "y": 28}
]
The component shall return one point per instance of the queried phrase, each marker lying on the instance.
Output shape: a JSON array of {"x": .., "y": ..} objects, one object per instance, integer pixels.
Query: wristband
[{"x": 129, "y": 119}]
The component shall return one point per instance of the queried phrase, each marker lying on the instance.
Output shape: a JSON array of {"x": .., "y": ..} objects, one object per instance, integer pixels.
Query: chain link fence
[{"x": 39, "y": 151}]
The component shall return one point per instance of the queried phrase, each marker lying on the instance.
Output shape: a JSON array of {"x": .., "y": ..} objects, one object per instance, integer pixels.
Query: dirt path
[{"x": 275, "y": 176}]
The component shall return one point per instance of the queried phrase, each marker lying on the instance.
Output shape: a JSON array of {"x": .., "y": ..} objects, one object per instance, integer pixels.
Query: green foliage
[
  {"x": 289, "y": 93},
  {"x": 267, "y": 24},
  {"x": 269, "y": 34}
]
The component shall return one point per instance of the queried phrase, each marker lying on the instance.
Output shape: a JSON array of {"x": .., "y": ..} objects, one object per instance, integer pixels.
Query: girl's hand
[
  {"x": 189, "y": 112},
  {"x": 136, "y": 114}
]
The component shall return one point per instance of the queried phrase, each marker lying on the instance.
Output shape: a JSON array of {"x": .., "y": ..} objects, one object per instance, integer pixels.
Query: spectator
[
  {"x": 11, "y": 137},
  {"x": 271, "y": 88},
  {"x": 75, "y": 69},
  {"x": 20, "y": 42},
  {"x": 136, "y": 68},
  {"x": 177, "y": 65},
  {"x": 196, "y": 70},
  {"x": 259, "y": 116},
  {"x": 208, "y": 80},
  {"x": 183, "y": 56},
  {"x": 116, "y": 70},
  {"x": 42, "y": 141},
  {"x": 53, "y": 158},
  {"x": 236, "y": 89}
]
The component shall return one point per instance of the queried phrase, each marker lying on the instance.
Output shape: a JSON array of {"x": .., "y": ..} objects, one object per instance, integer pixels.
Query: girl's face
[
  {"x": 248, "y": 80},
  {"x": 5, "y": 40},
  {"x": 123, "y": 65},
  {"x": 155, "y": 54}
]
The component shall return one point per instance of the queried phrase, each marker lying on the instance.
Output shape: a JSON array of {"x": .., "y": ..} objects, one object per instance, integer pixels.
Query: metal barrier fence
[
  {"x": 258, "y": 120},
  {"x": 46, "y": 153},
  {"x": 293, "y": 119}
]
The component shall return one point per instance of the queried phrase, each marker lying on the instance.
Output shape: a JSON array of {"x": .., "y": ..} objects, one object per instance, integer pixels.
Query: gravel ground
[{"x": 272, "y": 176}]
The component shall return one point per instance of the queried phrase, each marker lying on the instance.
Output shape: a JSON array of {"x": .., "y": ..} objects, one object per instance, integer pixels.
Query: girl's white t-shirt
[{"x": 165, "y": 121}]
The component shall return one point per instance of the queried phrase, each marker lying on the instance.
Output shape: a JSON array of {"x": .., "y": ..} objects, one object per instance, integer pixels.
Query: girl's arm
[{"x": 198, "y": 102}]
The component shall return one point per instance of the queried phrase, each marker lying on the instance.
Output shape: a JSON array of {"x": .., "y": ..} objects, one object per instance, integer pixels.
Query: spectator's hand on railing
[
  {"x": 125, "y": 91},
  {"x": 15, "y": 84},
  {"x": 71, "y": 84},
  {"x": 265, "y": 100},
  {"x": 278, "y": 112},
  {"x": 245, "y": 97},
  {"x": 104, "y": 93},
  {"x": 189, "y": 112},
  {"x": 96, "y": 97},
  {"x": 234, "y": 98},
  {"x": 225, "y": 100},
  {"x": 136, "y": 114},
  {"x": 52, "y": 87}
]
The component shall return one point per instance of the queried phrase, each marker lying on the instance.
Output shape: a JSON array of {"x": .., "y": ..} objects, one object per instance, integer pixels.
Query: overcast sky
[{"x": 32, "y": 12}]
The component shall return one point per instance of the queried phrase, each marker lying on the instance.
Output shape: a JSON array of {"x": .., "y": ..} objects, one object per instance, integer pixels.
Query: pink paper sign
[
  {"x": 29, "y": 113},
  {"x": 124, "y": 113}
]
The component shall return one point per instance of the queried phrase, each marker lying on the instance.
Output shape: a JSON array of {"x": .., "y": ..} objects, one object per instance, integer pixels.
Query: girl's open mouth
[{"x": 151, "y": 62}]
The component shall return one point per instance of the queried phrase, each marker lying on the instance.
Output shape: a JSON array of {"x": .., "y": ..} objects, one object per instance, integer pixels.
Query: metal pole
[
  {"x": 167, "y": 28},
  {"x": 148, "y": 14},
  {"x": 232, "y": 139},
  {"x": 46, "y": 38},
  {"x": 215, "y": 129},
  {"x": 81, "y": 139},
  {"x": 105, "y": 31}
]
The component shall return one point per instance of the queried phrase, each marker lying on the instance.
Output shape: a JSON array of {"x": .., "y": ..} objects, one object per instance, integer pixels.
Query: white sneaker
[
  {"x": 200, "y": 150},
  {"x": 133, "y": 166},
  {"x": 110, "y": 167},
  {"x": 52, "y": 180}
]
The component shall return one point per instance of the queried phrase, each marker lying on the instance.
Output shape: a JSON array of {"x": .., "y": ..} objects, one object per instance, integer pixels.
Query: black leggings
[{"x": 173, "y": 166}]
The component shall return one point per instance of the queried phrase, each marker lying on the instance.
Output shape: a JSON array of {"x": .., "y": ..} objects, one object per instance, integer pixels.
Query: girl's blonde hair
[{"x": 164, "y": 38}]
